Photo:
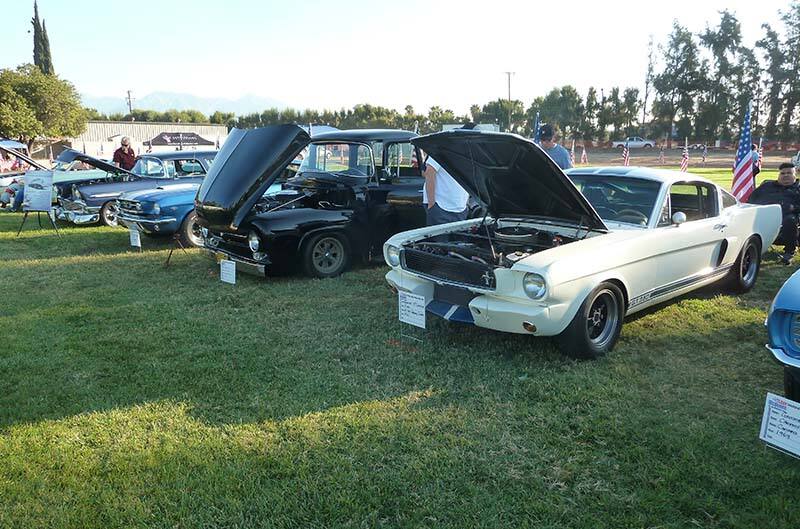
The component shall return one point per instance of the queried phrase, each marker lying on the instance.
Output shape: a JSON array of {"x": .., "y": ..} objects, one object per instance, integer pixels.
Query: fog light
[{"x": 528, "y": 326}]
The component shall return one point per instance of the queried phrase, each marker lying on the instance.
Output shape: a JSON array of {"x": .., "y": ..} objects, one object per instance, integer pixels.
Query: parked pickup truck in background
[{"x": 634, "y": 142}]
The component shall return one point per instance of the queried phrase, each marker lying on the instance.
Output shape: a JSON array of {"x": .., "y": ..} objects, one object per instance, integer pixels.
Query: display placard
[
  {"x": 411, "y": 308},
  {"x": 227, "y": 271},
  {"x": 136, "y": 238},
  {"x": 38, "y": 191},
  {"x": 780, "y": 424}
]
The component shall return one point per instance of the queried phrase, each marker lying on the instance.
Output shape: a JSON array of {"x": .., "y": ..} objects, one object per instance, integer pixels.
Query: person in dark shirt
[
  {"x": 124, "y": 157},
  {"x": 784, "y": 191}
]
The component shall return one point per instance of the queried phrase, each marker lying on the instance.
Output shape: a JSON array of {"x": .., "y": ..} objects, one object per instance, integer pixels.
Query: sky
[{"x": 324, "y": 54}]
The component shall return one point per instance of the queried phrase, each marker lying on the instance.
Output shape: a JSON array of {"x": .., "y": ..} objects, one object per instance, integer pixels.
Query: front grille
[
  {"x": 231, "y": 242},
  {"x": 453, "y": 295},
  {"x": 448, "y": 268},
  {"x": 131, "y": 207}
]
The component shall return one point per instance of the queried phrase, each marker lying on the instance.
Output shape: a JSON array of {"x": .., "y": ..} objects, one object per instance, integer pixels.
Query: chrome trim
[
  {"x": 782, "y": 358},
  {"x": 132, "y": 218}
]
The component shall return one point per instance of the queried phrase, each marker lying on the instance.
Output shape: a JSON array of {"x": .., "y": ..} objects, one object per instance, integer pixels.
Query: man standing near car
[
  {"x": 444, "y": 200},
  {"x": 784, "y": 191},
  {"x": 559, "y": 154},
  {"x": 124, "y": 156}
]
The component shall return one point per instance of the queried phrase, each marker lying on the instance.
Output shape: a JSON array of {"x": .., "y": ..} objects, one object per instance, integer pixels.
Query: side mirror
[{"x": 678, "y": 218}]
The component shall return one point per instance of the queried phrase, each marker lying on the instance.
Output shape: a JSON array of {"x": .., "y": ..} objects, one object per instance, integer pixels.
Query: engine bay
[{"x": 491, "y": 244}]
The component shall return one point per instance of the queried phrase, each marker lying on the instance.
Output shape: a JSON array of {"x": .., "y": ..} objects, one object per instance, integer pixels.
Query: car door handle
[{"x": 720, "y": 226}]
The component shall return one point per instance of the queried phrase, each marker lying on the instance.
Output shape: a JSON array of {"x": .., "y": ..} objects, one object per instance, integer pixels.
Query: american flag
[
  {"x": 705, "y": 154},
  {"x": 584, "y": 156},
  {"x": 572, "y": 154},
  {"x": 626, "y": 155},
  {"x": 414, "y": 160},
  {"x": 661, "y": 156},
  {"x": 742, "y": 184},
  {"x": 537, "y": 134},
  {"x": 685, "y": 158}
]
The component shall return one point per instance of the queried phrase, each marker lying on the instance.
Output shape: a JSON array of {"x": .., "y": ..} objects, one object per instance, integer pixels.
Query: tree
[
  {"x": 648, "y": 78},
  {"x": 774, "y": 57},
  {"x": 680, "y": 79},
  {"x": 41, "y": 44},
  {"x": 630, "y": 109},
  {"x": 53, "y": 102},
  {"x": 791, "y": 45},
  {"x": 716, "y": 109}
]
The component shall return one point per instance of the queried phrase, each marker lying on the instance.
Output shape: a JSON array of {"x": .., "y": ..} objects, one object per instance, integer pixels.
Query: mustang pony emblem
[{"x": 487, "y": 278}]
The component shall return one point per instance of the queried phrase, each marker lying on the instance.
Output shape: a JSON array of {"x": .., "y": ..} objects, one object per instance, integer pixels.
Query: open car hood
[
  {"x": 24, "y": 158},
  {"x": 70, "y": 155},
  {"x": 509, "y": 175},
  {"x": 245, "y": 167}
]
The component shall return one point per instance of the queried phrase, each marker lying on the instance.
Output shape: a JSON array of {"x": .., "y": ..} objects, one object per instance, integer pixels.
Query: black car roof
[
  {"x": 365, "y": 135},
  {"x": 172, "y": 155}
]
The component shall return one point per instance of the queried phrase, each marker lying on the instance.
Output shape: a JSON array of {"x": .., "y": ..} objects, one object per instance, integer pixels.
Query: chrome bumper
[
  {"x": 242, "y": 265},
  {"x": 76, "y": 217},
  {"x": 784, "y": 359}
]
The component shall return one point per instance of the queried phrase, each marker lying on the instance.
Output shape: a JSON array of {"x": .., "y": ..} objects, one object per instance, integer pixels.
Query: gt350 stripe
[{"x": 678, "y": 285}]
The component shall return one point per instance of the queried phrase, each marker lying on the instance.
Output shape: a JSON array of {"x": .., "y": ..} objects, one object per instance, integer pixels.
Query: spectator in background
[
  {"x": 756, "y": 162},
  {"x": 559, "y": 154},
  {"x": 124, "y": 156},
  {"x": 784, "y": 191}
]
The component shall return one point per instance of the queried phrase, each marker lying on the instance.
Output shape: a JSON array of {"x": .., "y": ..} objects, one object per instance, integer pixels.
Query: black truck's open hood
[
  {"x": 509, "y": 175},
  {"x": 248, "y": 163},
  {"x": 70, "y": 155}
]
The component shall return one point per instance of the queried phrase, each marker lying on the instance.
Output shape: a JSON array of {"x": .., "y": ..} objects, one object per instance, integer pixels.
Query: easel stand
[
  {"x": 178, "y": 244},
  {"x": 39, "y": 219}
]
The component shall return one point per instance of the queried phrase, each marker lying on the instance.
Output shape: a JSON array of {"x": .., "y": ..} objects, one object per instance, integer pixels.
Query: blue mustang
[{"x": 783, "y": 325}]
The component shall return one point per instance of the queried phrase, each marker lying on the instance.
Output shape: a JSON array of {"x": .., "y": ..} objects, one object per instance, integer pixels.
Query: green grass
[{"x": 133, "y": 395}]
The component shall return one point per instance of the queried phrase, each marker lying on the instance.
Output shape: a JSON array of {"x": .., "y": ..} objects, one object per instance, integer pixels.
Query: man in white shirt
[{"x": 449, "y": 200}]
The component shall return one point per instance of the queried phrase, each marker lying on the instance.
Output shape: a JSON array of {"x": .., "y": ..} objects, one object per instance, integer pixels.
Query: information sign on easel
[
  {"x": 411, "y": 313},
  {"x": 780, "y": 424},
  {"x": 38, "y": 197}
]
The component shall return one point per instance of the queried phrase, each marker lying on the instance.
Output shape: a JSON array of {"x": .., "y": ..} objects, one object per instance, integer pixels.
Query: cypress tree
[
  {"x": 47, "y": 60},
  {"x": 37, "y": 37}
]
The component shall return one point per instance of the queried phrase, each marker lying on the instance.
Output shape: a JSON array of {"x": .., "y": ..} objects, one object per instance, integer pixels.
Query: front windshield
[
  {"x": 351, "y": 159},
  {"x": 619, "y": 199}
]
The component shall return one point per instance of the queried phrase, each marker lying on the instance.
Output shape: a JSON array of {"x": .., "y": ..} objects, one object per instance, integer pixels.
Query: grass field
[{"x": 133, "y": 395}]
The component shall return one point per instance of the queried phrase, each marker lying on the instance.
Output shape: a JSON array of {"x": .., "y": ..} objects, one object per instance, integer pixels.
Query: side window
[
  {"x": 697, "y": 200},
  {"x": 148, "y": 167},
  {"x": 665, "y": 217},
  {"x": 401, "y": 162},
  {"x": 377, "y": 152},
  {"x": 188, "y": 167},
  {"x": 728, "y": 200}
]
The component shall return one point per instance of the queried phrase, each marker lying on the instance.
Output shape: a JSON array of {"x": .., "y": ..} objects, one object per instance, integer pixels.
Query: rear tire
[
  {"x": 326, "y": 255},
  {"x": 109, "y": 214},
  {"x": 189, "y": 232},
  {"x": 596, "y": 326},
  {"x": 791, "y": 383},
  {"x": 742, "y": 277}
]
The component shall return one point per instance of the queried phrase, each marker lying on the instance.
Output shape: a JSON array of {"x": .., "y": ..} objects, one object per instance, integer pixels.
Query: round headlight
[
  {"x": 253, "y": 241},
  {"x": 534, "y": 286},
  {"x": 393, "y": 255}
]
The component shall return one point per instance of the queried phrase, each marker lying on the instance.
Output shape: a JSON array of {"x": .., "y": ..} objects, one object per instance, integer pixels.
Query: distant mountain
[{"x": 162, "y": 101}]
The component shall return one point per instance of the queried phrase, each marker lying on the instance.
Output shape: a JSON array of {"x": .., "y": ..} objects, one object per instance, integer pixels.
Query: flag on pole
[
  {"x": 584, "y": 156},
  {"x": 705, "y": 154},
  {"x": 685, "y": 157},
  {"x": 84, "y": 147},
  {"x": 743, "y": 183},
  {"x": 537, "y": 134},
  {"x": 414, "y": 160},
  {"x": 661, "y": 155},
  {"x": 626, "y": 155},
  {"x": 572, "y": 154}
]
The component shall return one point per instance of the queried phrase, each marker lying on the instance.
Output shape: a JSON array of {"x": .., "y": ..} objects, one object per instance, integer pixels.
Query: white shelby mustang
[{"x": 571, "y": 254}]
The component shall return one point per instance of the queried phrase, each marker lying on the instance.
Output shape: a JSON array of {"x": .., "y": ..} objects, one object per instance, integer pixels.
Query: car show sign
[
  {"x": 411, "y": 308},
  {"x": 780, "y": 424},
  {"x": 227, "y": 271},
  {"x": 136, "y": 238},
  {"x": 38, "y": 191},
  {"x": 178, "y": 139}
]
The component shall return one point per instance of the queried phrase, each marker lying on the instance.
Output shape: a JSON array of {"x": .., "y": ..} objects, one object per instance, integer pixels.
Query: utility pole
[
  {"x": 130, "y": 101},
  {"x": 509, "y": 74}
]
